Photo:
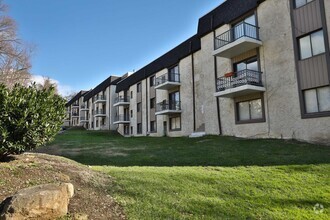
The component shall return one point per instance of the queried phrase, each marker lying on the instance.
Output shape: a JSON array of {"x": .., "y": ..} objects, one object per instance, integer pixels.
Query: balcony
[
  {"x": 121, "y": 119},
  {"x": 100, "y": 99},
  {"x": 84, "y": 119},
  {"x": 100, "y": 113},
  {"x": 75, "y": 115},
  {"x": 84, "y": 108},
  {"x": 168, "y": 107},
  {"x": 239, "y": 39},
  {"x": 168, "y": 81},
  {"x": 75, "y": 105},
  {"x": 121, "y": 101},
  {"x": 242, "y": 83}
]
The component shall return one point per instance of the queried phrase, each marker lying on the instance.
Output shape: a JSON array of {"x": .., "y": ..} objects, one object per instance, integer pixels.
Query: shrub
[{"x": 29, "y": 118}]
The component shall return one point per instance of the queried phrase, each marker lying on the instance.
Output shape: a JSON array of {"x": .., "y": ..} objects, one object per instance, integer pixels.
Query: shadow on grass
[{"x": 105, "y": 148}]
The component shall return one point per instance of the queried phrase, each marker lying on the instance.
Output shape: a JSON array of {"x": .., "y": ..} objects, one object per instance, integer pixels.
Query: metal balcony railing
[
  {"x": 241, "y": 30},
  {"x": 240, "y": 78},
  {"x": 122, "y": 99},
  {"x": 168, "y": 105},
  {"x": 75, "y": 114},
  {"x": 122, "y": 118},
  {"x": 84, "y": 118},
  {"x": 100, "y": 98},
  {"x": 75, "y": 104},
  {"x": 84, "y": 107},
  {"x": 168, "y": 77},
  {"x": 99, "y": 112}
]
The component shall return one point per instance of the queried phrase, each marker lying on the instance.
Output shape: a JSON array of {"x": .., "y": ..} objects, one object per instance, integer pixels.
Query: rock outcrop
[{"x": 48, "y": 201}]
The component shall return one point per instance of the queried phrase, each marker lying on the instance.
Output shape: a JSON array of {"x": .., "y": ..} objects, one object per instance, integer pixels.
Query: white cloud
[{"x": 63, "y": 90}]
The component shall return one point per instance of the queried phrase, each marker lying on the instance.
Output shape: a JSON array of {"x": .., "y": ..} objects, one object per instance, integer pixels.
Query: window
[
  {"x": 138, "y": 107},
  {"x": 173, "y": 74},
  {"x": 250, "y": 111},
  {"x": 126, "y": 130},
  {"x": 299, "y": 3},
  {"x": 152, "y": 103},
  {"x": 311, "y": 45},
  {"x": 138, "y": 87},
  {"x": 248, "y": 64},
  {"x": 175, "y": 123},
  {"x": 153, "y": 126},
  {"x": 174, "y": 101},
  {"x": 317, "y": 100},
  {"x": 131, "y": 113},
  {"x": 103, "y": 121},
  {"x": 152, "y": 81},
  {"x": 139, "y": 128},
  {"x": 131, "y": 94},
  {"x": 131, "y": 129},
  {"x": 97, "y": 123},
  {"x": 246, "y": 27}
]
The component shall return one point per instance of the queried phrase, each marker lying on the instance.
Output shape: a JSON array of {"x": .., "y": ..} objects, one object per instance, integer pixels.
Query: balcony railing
[
  {"x": 241, "y": 30},
  {"x": 84, "y": 107},
  {"x": 75, "y": 114},
  {"x": 75, "y": 105},
  {"x": 122, "y": 118},
  {"x": 122, "y": 99},
  {"x": 84, "y": 118},
  {"x": 240, "y": 78},
  {"x": 100, "y": 98},
  {"x": 99, "y": 112},
  {"x": 168, "y": 106},
  {"x": 167, "y": 81}
]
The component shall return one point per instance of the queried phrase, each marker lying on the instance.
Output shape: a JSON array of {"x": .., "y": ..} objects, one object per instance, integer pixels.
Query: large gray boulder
[{"x": 49, "y": 201}]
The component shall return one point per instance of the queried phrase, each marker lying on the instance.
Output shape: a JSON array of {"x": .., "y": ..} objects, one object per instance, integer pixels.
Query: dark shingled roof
[
  {"x": 168, "y": 59},
  {"x": 111, "y": 80},
  {"x": 76, "y": 97},
  {"x": 223, "y": 14}
]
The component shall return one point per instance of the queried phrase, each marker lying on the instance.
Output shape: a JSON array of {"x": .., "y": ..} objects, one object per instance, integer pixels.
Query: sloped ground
[{"x": 92, "y": 189}]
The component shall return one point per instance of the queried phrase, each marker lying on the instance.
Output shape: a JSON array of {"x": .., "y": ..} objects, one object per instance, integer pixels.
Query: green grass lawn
[{"x": 206, "y": 178}]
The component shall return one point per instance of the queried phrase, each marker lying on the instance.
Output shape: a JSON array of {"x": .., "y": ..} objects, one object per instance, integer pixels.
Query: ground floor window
[
  {"x": 250, "y": 111},
  {"x": 97, "y": 123},
  {"x": 126, "y": 130},
  {"x": 175, "y": 123},
  {"x": 317, "y": 100},
  {"x": 153, "y": 126},
  {"x": 131, "y": 129},
  {"x": 103, "y": 121},
  {"x": 139, "y": 128}
]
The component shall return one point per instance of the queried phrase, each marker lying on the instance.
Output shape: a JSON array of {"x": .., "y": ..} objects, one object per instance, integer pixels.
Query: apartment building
[
  {"x": 75, "y": 111},
  {"x": 99, "y": 102},
  {"x": 255, "y": 68}
]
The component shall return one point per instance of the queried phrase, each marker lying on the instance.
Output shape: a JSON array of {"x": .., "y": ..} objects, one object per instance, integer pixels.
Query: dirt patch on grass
[{"x": 92, "y": 189}]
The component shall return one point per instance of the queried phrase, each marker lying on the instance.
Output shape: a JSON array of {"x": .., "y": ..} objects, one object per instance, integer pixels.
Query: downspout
[
  {"x": 109, "y": 105},
  {"x": 215, "y": 81},
  {"x": 193, "y": 85},
  {"x": 147, "y": 118}
]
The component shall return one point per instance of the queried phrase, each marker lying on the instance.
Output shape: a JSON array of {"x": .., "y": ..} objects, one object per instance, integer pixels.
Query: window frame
[
  {"x": 152, "y": 81},
  {"x": 259, "y": 120},
  {"x": 295, "y": 4},
  {"x": 154, "y": 130},
  {"x": 139, "y": 128},
  {"x": 170, "y": 123},
  {"x": 318, "y": 113},
  {"x": 139, "y": 87},
  {"x": 152, "y": 103},
  {"x": 139, "y": 107},
  {"x": 311, "y": 44}
]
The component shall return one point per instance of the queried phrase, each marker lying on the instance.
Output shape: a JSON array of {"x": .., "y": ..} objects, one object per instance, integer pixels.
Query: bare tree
[
  {"x": 14, "y": 54},
  {"x": 47, "y": 83}
]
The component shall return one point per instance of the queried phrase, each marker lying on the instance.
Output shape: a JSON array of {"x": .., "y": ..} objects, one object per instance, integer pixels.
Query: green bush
[{"x": 29, "y": 118}]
